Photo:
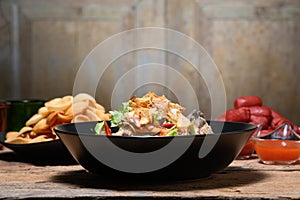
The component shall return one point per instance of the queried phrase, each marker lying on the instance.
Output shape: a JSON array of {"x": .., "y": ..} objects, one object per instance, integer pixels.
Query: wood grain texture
[
  {"x": 243, "y": 179},
  {"x": 255, "y": 51},
  {"x": 255, "y": 44}
]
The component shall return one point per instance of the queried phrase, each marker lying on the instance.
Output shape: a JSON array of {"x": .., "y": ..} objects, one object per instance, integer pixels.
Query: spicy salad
[{"x": 153, "y": 115}]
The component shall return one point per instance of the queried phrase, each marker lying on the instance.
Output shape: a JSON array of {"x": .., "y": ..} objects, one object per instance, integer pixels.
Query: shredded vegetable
[{"x": 153, "y": 115}]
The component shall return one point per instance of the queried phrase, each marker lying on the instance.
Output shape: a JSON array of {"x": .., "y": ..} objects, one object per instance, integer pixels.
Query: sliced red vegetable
[
  {"x": 168, "y": 125},
  {"x": 247, "y": 101},
  {"x": 107, "y": 128}
]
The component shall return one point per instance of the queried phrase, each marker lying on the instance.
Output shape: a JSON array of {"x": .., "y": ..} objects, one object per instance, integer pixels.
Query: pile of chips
[{"x": 39, "y": 127}]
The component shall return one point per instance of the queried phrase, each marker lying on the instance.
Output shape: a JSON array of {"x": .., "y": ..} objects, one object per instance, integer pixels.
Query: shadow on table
[
  {"x": 227, "y": 178},
  {"x": 37, "y": 160}
]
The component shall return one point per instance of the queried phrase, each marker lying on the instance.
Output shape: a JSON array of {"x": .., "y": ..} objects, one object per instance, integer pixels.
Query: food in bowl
[
  {"x": 155, "y": 116},
  {"x": 39, "y": 127},
  {"x": 88, "y": 148},
  {"x": 282, "y": 146},
  {"x": 150, "y": 138}
]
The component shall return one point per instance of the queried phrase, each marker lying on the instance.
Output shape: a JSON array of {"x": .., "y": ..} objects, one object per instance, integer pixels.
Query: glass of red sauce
[{"x": 282, "y": 146}]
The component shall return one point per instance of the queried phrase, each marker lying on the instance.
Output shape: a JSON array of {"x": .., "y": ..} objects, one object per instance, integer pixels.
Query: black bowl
[
  {"x": 51, "y": 151},
  {"x": 217, "y": 151}
]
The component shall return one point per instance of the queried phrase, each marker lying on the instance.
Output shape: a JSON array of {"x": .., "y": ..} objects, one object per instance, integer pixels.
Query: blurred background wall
[{"x": 255, "y": 44}]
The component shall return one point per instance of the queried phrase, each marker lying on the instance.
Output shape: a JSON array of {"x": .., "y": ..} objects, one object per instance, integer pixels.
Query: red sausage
[
  {"x": 247, "y": 101},
  {"x": 254, "y": 119},
  {"x": 278, "y": 119},
  {"x": 275, "y": 114},
  {"x": 296, "y": 129},
  {"x": 238, "y": 115},
  {"x": 260, "y": 111},
  {"x": 276, "y": 122}
]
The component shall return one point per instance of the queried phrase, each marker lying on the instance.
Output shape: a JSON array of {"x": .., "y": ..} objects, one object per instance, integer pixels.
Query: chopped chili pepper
[
  {"x": 107, "y": 129},
  {"x": 168, "y": 125}
]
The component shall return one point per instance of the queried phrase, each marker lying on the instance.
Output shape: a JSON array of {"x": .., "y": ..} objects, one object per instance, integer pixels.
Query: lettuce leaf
[
  {"x": 117, "y": 115},
  {"x": 99, "y": 127}
]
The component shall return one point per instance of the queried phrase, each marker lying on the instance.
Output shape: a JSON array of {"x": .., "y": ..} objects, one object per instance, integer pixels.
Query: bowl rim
[
  {"x": 3, "y": 134},
  {"x": 272, "y": 139},
  {"x": 59, "y": 130}
]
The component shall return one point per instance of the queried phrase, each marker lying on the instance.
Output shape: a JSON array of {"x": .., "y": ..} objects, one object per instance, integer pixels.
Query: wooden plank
[
  {"x": 271, "y": 28},
  {"x": 256, "y": 52},
  {"x": 243, "y": 179},
  {"x": 55, "y": 36}
]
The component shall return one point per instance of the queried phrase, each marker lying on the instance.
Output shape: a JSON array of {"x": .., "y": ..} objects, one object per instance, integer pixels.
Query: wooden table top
[{"x": 243, "y": 179}]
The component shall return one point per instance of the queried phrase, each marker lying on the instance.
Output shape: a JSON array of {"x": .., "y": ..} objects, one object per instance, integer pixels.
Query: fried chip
[
  {"x": 64, "y": 118},
  {"x": 40, "y": 138},
  {"x": 18, "y": 140},
  {"x": 81, "y": 118},
  {"x": 12, "y": 135},
  {"x": 34, "y": 119},
  {"x": 44, "y": 111},
  {"x": 99, "y": 107},
  {"x": 59, "y": 104},
  {"x": 79, "y": 107},
  {"x": 25, "y": 129},
  {"x": 52, "y": 119},
  {"x": 69, "y": 111},
  {"x": 102, "y": 115},
  {"x": 82, "y": 97},
  {"x": 39, "y": 127},
  {"x": 91, "y": 115}
]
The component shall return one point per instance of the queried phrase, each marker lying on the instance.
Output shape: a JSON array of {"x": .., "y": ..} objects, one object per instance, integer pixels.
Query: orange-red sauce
[{"x": 277, "y": 150}]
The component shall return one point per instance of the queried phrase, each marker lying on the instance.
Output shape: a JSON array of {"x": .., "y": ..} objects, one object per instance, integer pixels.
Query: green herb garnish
[
  {"x": 117, "y": 115},
  {"x": 99, "y": 127},
  {"x": 173, "y": 132},
  {"x": 192, "y": 129}
]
